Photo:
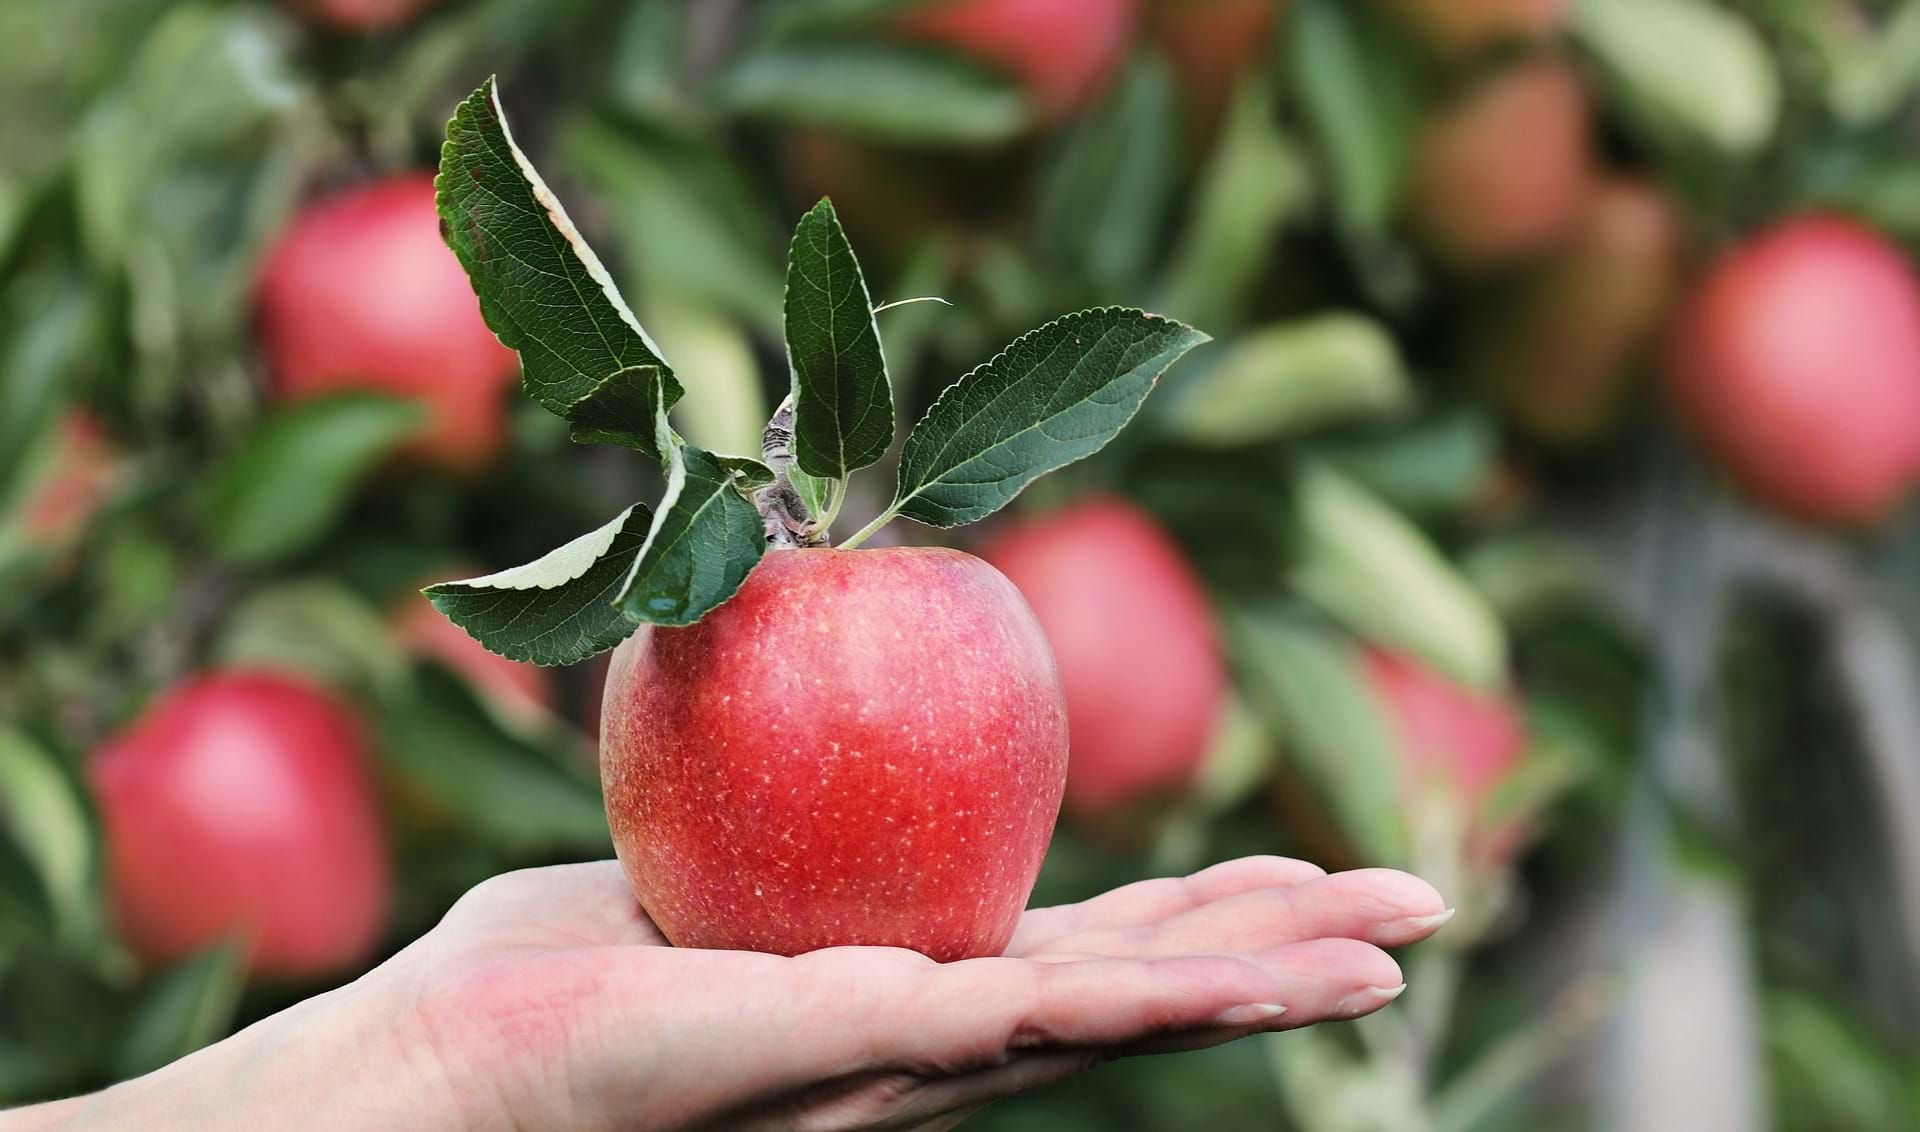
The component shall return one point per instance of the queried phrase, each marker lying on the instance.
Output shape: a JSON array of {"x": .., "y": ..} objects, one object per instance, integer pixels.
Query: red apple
[
  {"x": 360, "y": 293},
  {"x": 361, "y": 15},
  {"x": 240, "y": 804},
  {"x": 514, "y": 687},
  {"x": 1502, "y": 172},
  {"x": 1798, "y": 363},
  {"x": 1062, "y": 51},
  {"x": 1456, "y": 28},
  {"x": 1559, "y": 355},
  {"x": 1209, "y": 44},
  {"x": 861, "y": 747},
  {"x": 68, "y": 489},
  {"x": 1134, "y": 635},
  {"x": 1467, "y": 741}
]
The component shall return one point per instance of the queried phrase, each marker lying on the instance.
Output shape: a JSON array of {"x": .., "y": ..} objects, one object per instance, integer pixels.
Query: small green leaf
[
  {"x": 1056, "y": 395},
  {"x": 294, "y": 475},
  {"x": 316, "y": 626},
  {"x": 1309, "y": 684},
  {"x": 1105, "y": 199},
  {"x": 726, "y": 410},
  {"x": 623, "y": 408},
  {"x": 814, "y": 491},
  {"x": 886, "y": 92},
  {"x": 444, "y": 744},
  {"x": 45, "y": 811},
  {"x": 1358, "y": 96},
  {"x": 1291, "y": 378},
  {"x": 190, "y": 1006},
  {"x": 557, "y": 609},
  {"x": 1437, "y": 466},
  {"x": 541, "y": 288},
  {"x": 705, "y": 539},
  {"x": 1365, "y": 564},
  {"x": 1686, "y": 66},
  {"x": 842, "y": 406}
]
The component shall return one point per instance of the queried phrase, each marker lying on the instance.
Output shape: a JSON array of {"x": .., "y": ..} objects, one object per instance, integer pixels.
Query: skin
[
  {"x": 1134, "y": 637},
  {"x": 863, "y": 745},
  {"x": 240, "y": 802},
  {"x": 1063, "y": 51},
  {"x": 546, "y": 1000},
  {"x": 1481, "y": 201},
  {"x": 1797, "y": 362},
  {"x": 360, "y": 293}
]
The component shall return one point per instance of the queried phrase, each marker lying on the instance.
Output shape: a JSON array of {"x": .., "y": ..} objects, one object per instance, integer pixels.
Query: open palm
[{"x": 547, "y": 999}]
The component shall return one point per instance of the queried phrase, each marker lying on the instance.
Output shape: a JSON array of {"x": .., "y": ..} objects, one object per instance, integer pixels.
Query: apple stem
[{"x": 861, "y": 535}]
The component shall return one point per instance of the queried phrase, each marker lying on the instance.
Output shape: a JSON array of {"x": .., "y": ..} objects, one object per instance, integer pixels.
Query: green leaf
[
  {"x": 1291, "y": 378},
  {"x": 879, "y": 91},
  {"x": 293, "y": 476},
  {"x": 726, "y": 410},
  {"x": 190, "y": 1006},
  {"x": 445, "y": 745},
  {"x": 1105, "y": 199},
  {"x": 1309, "y": 683},
  {"x": 842, "y": 406},
  {"x": 623, "y": 408},
  {"x": 1358, "y": 97},
  {"x": 815, "y": 492},
  {"x": 541, "y": 288},
  {"x": 1056, "y": 395},
  {"x": 690, "y": 222},
  {"x": 1365, "y": 564},
  {"x": 1686, "y": 67},
  {"x": 1434, "y": 467},
  {"x": 705, "y": 539},
  {"x": 557, "y": 609},
  {"x": 46, "y": 811},
  {"x": 316, "y": 626}
]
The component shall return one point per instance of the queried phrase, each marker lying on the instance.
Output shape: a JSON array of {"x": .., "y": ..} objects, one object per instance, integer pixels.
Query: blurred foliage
[{"x": 1331, "y": 465}]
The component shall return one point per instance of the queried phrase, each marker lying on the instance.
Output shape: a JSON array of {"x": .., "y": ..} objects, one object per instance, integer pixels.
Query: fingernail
[
  {"x": 1251, "y": 1013},
  {"x": 1365, "y": 1001},
  {"x": 1411, "y": 926}
]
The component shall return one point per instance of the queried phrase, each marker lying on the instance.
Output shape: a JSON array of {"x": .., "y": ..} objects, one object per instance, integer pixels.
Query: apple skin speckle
[{"x": 862, "y": 747}]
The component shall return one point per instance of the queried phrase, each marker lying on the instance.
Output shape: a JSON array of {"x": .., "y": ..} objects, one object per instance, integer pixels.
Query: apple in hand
[
  {"x": 860, "y": 747},
  {"x": 1798, "y": 364},
  {"x": 1134, "y": 636},
  {"x": 1501, "y": 173},
  {"x": 239, "y": 805},
  {"x": 1062, "y": 51},
  {"x": 360, "y": 293}
]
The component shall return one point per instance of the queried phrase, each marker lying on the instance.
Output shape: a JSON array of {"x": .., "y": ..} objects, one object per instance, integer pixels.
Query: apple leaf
[
  {"x": 541, "y": 288},
  {"x": 623, "y": 408},
  {"x": 706, "y": 537},
  {"x": 1293, "y": 377},
  {"x": 190, "y": 1006},
  {"x": 842, "y": 406},
  {"x": 294, "y": 475},
  {"x": 882, "y": 92},
  {"x": 557, "y": 609},
  {"x": 1356, "y": 92},
  {"x": 1056, "y": 395}
]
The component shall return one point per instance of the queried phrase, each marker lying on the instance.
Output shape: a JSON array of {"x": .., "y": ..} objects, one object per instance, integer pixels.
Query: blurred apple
[
  {"x": 239, "y": 804},
  {"x": 1560, "y": 356},
  {"x": 1501, "y": 173},
  {"x": 1062, "y": 51},
  {"x": 1134, "y": 636},
  {"x": 361, "y": 15},
  {"x": 68, "y": 489},
  {"x": 514, "y": 688},
  {"x": 1210, "y": 44},
  {"x": 1457, "y": 28},
  {"x": 1465, "y": 741},
  {"x": 1798, "y": 364},
  {"x": 360, "y": 293}
]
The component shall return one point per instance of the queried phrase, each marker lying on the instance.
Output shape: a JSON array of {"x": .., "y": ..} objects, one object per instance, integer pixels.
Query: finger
[
  {"x": 1380, "y": 906},
  {"x": 582, "y": 905},
  {"x": 1148, "y": 901},
  {"x": 1327, "y": 980}
]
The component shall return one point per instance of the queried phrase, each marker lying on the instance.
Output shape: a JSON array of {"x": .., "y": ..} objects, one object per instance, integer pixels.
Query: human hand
[{"x": 547, "y": 1000}]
